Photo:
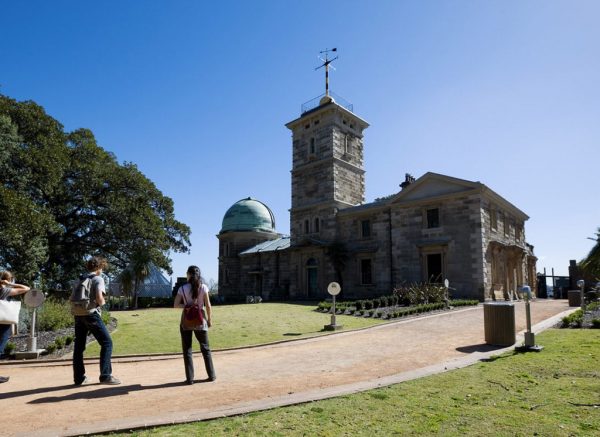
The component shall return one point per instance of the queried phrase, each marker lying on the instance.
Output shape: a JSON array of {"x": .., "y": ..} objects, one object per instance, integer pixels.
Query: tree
[
  {"x": 338, "y": 254},
  {"x": 590, "y": 265},
  {"x": 90, "y": 203}
]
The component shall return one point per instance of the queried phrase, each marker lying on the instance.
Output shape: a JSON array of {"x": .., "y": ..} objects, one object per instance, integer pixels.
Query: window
[
  {"x": 226, "y": 249},
  {"x": 366, "y": 272},
  {"x": 317, "y": 224},
  {"x": 493, "y": 219},
  {"x": 347, "y": 143},
  {"x": 312, "y": 149},
  {"x": 433, "y": 218},
  {"x": 365, "y": 228},
  {"x": 506, "y": 225},
  {"x": 306, "y": 226}
]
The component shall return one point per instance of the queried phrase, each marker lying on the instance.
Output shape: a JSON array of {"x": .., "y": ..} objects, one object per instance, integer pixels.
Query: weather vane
[{"x": 325, "y": 64}]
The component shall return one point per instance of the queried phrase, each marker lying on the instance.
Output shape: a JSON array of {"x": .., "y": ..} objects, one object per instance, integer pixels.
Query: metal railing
[{"x": 313, "y": 103}]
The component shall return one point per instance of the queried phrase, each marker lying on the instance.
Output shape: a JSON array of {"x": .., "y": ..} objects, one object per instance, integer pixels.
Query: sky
[{"x": 197, "y": 93}]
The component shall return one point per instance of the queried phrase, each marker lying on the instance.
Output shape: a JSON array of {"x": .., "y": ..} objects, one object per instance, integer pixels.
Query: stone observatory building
[{"x": 436, "y": 227}]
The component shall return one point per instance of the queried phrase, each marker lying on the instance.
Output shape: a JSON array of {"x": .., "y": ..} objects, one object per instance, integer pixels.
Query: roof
[
  {"x": 248, "y": 215},
  {"x": 269, "y": 246},
  {"x": 435, "y": 186}
]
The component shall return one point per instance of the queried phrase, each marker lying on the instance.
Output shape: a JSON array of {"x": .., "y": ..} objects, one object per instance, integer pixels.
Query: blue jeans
[
  {"x": 91, "y": 324},
  {"x": 5, "y": 332}
]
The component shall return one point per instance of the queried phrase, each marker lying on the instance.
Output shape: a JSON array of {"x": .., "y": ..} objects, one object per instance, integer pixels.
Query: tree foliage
[
  {"x": 63, "y": 198},
  {"x": 591, "y": 263}
]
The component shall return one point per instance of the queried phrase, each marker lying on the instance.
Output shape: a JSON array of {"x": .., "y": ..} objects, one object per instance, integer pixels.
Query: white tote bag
[{"x": 9, "y": 312}]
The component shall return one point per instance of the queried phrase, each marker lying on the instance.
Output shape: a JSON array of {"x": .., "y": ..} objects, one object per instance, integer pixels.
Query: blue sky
[{"x": 197, "y": 95}]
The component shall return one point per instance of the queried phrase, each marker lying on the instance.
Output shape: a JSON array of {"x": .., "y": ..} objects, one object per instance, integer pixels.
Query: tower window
[
  {"x": 306, "y": 226},
  {"x": 433, "y": 218},
  {"x": 494, "y": 219},
  {"x": 317, "y": 122},
  {"x": 312, "y": 148},
  {"x": 365, "y": 228},
  {"x": 317, "y": 224},
  {"x": 306, "y": 126},
  {"x": 347, "y": 143}
]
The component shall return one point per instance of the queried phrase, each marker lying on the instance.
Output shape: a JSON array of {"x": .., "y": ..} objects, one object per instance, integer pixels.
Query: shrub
[
  {"x": 358, "y": 313},
  {"x": 10, "y": 348},
  {"x": 69, "y": 339},
  {"x": 50, "y": 348},
  {"x": 54, "y": 314},
  {"x": 360, "y": 304},
  {"x": 368, "y": 304},
  {"x": 419, "y": 293},
  {"x": 574, "y": 319},
  {"x": 376, "y": 302},
  {"x": 159, "y": 302},
  {"x": 384, "y": 301},
  {"x": 60, "y": 342},
  {"x": 595, "y": 323},
  {"x": 106, "y": 317}
]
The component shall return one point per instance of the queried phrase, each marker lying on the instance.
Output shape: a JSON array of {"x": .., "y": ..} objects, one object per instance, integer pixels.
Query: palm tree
[
  {"x": 590, "y": 265},
  {"x": 125, "y": 278},
  {"x": 140, "y": 265}
]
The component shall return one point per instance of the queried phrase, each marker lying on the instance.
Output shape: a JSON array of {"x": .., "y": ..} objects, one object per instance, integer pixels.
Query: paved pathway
[{"x": 40, "y": 398}]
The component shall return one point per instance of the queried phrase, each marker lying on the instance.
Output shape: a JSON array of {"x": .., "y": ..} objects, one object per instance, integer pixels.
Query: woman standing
[
  {"x": 8, "y": 289},
  {"x": 194, "y": 291}
]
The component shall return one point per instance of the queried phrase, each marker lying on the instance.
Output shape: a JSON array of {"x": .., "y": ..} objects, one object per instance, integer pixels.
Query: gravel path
[{"x": 42, "y": 400}]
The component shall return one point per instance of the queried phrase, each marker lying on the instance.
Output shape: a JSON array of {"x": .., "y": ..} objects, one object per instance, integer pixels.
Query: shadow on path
[
  {"x": 116, "y": 390},
  {"x": 481, "y": 347}
]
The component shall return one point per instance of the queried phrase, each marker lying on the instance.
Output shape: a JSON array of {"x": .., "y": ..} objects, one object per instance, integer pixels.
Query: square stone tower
[{"x": 327, "y": 169}]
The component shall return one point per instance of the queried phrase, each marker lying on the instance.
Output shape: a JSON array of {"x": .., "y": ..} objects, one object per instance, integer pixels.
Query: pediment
[{"x": 432, "y": 185}]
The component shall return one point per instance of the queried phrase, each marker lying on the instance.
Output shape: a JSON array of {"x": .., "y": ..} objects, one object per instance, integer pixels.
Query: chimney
[{"x": 408, "y": 179}]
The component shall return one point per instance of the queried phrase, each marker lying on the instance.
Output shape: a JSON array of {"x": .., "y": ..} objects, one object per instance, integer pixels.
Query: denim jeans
[
  {"x": 188, "y": 362},
  {"x": 5, "y": 332},
  {"x": 91, "y": 324}
]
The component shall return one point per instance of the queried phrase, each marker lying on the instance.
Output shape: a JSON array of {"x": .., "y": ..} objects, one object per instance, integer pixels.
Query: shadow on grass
[
  {"x": 292, "y": 334},
  {"x": 104, "y": 392}
]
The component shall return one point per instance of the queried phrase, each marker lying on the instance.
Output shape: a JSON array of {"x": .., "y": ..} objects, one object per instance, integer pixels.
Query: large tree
[{"x": 80, "y": 200}]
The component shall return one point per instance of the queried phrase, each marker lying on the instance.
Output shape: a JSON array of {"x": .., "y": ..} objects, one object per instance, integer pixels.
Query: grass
[
  {"x": 157, "y": 330},
  {"x": 550, "y": 393}
]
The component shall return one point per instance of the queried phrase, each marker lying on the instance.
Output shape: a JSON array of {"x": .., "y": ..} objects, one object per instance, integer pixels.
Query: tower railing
[{"x": 313, "y": 103}]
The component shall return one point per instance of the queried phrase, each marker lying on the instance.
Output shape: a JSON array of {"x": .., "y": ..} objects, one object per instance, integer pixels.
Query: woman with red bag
[{"x": 195, "y": 317}]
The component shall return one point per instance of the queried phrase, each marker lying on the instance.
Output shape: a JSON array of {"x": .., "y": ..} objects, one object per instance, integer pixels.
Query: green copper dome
[{"x": 248, "y": 215}]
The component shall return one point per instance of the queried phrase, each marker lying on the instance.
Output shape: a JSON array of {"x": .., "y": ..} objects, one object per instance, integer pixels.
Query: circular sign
[
  {"x": 446, "y": 283},
  {"x": 34, "y": 298},
  {"x": 334, "y": 288}
]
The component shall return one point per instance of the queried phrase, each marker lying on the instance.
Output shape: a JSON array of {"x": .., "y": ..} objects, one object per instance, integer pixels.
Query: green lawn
[
  {"x": 551, "y": 393},
  {"x": 157, "y": 330}
]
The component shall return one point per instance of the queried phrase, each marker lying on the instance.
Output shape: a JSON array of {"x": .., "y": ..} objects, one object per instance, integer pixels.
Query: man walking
[{"x": 89, "y": 320}]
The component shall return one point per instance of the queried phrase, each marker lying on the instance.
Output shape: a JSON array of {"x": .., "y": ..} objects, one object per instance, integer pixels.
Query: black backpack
[{"x": 82, "y": 301}]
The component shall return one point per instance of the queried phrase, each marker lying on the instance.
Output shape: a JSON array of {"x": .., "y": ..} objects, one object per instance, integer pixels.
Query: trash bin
[
  {"x": 574, "y": 298},
  {"x": 499, "y": 323}
]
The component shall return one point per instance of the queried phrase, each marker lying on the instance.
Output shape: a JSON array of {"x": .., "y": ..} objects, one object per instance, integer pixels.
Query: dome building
[{"x": 247, "y": 244}]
